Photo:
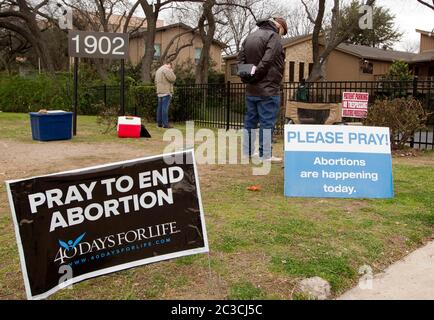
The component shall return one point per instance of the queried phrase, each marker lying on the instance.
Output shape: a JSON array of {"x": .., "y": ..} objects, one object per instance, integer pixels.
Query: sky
[{"x": 409, "y": 16}]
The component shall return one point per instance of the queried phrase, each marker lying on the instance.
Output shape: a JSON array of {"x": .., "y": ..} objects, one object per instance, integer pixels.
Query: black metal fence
[{"x": 223, "y": 105}]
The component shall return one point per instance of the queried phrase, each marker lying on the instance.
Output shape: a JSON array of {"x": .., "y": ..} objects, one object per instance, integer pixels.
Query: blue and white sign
[{"x": 338, "y": 162}]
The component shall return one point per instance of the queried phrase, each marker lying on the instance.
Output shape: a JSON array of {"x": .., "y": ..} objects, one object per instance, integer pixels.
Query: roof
[
  {"x": 294, "y": 40},
  {"x": 423, "y": 57},
  {"x": 134, "y": 22},
  {"x": 375, "y": 53},
  {"x": 177, "y": 26},
  {"x": 426, "y": 33},
  {"x": 364, "y": 52}
]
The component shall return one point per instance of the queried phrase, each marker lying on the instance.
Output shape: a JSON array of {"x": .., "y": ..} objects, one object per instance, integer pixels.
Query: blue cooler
[{"x": 54, "y": 125}]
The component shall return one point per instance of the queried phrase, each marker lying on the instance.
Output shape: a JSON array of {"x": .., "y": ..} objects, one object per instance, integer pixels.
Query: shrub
[
  {"x": 108, "y": 118},
  {"x": 144, "y": 100},
  {"x": 402, "y": 115},
  {"x": 19, "y": 94},
  {"x": 399, "y": 70}
]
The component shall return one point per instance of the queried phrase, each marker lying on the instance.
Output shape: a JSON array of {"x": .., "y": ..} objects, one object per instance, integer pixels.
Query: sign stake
[
  {"x": 122, "y": 87},
  {"x": 75, "y": 97}
]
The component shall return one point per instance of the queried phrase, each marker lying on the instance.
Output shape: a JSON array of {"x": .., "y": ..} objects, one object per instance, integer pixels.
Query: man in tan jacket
[{"x": 164, "y": 80}]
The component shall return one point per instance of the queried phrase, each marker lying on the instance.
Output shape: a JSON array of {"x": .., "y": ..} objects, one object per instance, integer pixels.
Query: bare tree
[
  {"x": 177, "y": 44},
  {"x": 21, "y": 17},
  {"x": 228, "y": 21},
  {"x": 12, "y": 45},
  {"x": 241, "y": 17},
  {"x": 411, "y": 46},
  {"x": 335, "y": 34},
  {"x": 297, "y": 19},
  {"x": 102, "y": 16},
  {"x": 152, "y": 9},
  {"x": 236, "y": 22},
  {"x": 207, "y": 27}
]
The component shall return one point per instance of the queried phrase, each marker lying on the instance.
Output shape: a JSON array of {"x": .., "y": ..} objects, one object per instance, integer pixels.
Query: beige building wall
[
  {"x": 136, "y": 50},
  {"x": 164, "y": 37},
  {"x": 300, "y": 52},
  {"x": 340, "y": 66},
  {"x": 346, "y": 67},
  {"x": 426, "y": 43}
]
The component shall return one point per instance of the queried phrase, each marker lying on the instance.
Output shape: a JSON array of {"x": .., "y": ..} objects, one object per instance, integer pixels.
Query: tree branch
[
  {"x": 130, "y": 15},
  {"x": 13, "y": 27},
  {"x": 426, "y": 4},
  {"x": 40, "y": 5},
  {"x": 172, "y": 41},
  {"x": 309, "y": 16}
]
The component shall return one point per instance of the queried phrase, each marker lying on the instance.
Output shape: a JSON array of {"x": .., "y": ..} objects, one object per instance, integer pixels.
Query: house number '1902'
[{"x": 98, "y": 45}]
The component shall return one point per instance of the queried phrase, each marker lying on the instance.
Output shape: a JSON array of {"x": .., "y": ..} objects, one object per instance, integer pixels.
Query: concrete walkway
[{"x": 409, "y": 278}]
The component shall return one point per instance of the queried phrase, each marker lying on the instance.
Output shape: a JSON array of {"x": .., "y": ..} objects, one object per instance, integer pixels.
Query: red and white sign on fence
[{"x": 355, "y": 104}]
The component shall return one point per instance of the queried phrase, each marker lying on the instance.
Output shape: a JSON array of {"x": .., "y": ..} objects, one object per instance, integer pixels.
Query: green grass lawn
[{"x": 261, "y": 243}]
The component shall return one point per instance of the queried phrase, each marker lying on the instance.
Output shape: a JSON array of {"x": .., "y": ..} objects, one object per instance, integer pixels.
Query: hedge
[
  {"x": 143, "y": 100},
  {"x": 18, "y": 94}
]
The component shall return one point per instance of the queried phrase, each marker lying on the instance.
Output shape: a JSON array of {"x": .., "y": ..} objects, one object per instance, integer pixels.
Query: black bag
[
  {"x": 144, "y": 133},
  {"x": 244, "y": 71}
]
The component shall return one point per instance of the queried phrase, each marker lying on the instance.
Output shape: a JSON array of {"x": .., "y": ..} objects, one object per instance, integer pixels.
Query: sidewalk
[{"x": 409, "y": 278}]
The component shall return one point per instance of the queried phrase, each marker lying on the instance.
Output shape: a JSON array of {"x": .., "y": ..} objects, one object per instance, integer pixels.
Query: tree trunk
[
  {"x": 148, "y": 58},
  {"x": 41, "y": 47},
  {"x": 334, "y": 39},
  {"x": 207, "y": 37}
]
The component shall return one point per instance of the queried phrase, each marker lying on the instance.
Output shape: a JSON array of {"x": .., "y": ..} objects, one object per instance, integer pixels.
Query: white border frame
[{"x": 120, "y": 267}]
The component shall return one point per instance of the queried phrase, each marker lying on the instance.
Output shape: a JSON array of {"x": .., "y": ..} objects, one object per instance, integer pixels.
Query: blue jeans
[
  {"x": 163, "y": 111},
  {"x": 262, "y": 111}
]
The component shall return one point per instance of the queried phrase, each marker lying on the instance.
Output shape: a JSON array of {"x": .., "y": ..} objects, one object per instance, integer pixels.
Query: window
[
  {"x": 197, "y": 53},
  {"x": 234, "y": 69},
  {"x": 310, "y": 68},
  {"x": 291, "y": 71},
  {"x": 301, "y": 71},
  {"x": 367, "y": 67},
  {"x": 157, "y": 53}
]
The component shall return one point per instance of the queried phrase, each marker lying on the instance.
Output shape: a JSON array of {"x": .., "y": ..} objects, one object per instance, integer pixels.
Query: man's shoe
[
  {"x": 168, "y": 127},
  {"x": 159, "y": 125}
]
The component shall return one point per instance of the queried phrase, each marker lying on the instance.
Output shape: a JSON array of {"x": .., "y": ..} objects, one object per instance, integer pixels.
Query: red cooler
[{"x": 129, "y": 127}]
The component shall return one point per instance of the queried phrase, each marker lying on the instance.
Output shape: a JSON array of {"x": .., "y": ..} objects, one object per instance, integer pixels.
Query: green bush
[
  {"x": 19, "y": 94},
  {"x": 143, "y": 99},
  {"x": 399, "y": 70},
  {"x": 402, "y": 115}
]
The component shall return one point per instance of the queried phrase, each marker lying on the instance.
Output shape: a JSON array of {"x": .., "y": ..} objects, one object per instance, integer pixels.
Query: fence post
[
  {"x": 414, "y": 87},
  {"x": 228, "y": 103},
  {"x": 414, "y": 97},
  {"x": 105, "y": 96}
]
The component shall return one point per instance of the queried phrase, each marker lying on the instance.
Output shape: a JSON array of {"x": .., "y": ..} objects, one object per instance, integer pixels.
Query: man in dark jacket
[{"x": 263, "y": 49}]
